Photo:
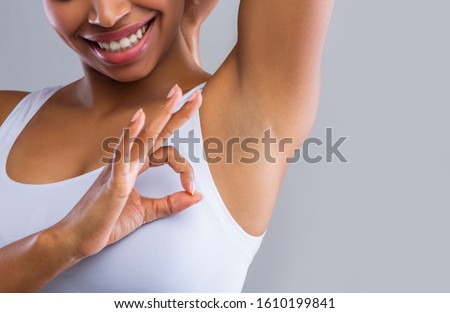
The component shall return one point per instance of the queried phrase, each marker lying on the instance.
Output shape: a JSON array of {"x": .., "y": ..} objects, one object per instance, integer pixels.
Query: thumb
[{"x": 156, "y": 208}]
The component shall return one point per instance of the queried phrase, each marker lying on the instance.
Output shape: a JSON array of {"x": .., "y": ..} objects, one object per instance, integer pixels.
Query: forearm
[{"x": 29, "y": 264}]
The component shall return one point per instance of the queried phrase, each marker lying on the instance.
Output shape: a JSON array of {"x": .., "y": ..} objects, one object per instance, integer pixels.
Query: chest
[
  {"x": 56, "y": 148},
  {"x": 195, "y": 251}
]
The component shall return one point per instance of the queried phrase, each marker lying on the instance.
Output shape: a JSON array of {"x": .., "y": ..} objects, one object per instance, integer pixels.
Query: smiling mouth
[{"x": 126, "y": 42}]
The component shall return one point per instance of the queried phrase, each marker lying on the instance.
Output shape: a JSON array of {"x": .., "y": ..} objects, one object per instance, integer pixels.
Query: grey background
[{"x": 376, "y": 224}]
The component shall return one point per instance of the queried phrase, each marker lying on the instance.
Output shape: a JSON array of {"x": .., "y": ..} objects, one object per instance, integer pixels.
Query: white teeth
[
  {"x": 124, "y": 43},
  {"x": 114, "y": 46}
]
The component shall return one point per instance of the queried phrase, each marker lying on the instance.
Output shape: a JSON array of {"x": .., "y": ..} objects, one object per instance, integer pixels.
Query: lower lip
[{"x": 128, "y": 56}]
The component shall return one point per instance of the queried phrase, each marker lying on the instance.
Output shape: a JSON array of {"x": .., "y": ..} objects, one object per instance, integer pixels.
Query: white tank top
[{"x": 202, "y": 249}]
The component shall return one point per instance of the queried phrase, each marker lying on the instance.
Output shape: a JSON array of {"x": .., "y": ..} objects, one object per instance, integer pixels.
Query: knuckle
[
  {"x": 170, "y": 149},
  {"x": 166, "y": 133},
  {"x": 145, "y": 128},
  {"x": 168, "y": 109},
  {"x": 154, "y": 159},
  {"x": 169, "y": 203}
]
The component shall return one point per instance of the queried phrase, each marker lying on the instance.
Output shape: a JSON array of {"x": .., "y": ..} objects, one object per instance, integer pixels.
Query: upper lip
[{"x": 118, "y": 34}]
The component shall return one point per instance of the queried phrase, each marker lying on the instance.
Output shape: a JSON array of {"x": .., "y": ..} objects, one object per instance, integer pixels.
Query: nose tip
[{"x": 107, "y": 13}]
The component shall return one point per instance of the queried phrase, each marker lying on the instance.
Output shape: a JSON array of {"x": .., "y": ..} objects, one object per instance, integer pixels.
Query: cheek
[
  {"x": 176, "y": 8},
  {"x": 172, "y": 14},
  {"x": 65, "y": 18},
  {"x": 172, "y": 10}
]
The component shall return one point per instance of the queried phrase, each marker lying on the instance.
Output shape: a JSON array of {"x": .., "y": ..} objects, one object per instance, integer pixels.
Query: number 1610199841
[{"x": 295, "y": 303}]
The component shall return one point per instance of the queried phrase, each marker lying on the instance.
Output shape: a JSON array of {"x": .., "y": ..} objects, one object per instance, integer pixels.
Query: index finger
[{"x": 153, "y": 128}]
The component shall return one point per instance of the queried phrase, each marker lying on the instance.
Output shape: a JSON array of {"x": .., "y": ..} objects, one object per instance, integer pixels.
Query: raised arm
[
  {"x": 278, "y": 58},
  {"x": 270, "y": 81}
]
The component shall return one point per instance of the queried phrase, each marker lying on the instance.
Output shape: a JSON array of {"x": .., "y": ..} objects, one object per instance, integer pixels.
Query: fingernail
[
  {"x": 192, "y": 187},
  {"x": 172, "y": 91},
  {"x": 193, "y": 96},
  {"x": 198, "y": 196},
  {"x": 136, "y": 116}
]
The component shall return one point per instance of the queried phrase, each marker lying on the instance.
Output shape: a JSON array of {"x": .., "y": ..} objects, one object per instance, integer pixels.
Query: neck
[{"x": 98, "y": 91}]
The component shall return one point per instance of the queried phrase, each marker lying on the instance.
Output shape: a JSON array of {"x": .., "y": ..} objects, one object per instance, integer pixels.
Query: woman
[{"x": 65, "y": 214}]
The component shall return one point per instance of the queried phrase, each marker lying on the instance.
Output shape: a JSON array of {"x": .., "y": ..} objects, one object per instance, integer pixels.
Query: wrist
[{"x": 55, "y": 243}]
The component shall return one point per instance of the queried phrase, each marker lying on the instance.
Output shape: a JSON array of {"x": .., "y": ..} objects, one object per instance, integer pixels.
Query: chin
[
  {"x": 128, "y": 77},
  {"x": 125, "y": 74}
]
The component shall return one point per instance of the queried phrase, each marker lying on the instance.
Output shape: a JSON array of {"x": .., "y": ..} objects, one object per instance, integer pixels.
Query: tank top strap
[
  {"x": 192, "y": 135},
  {"x": 189, "y": 93},
  {"x": 30, "y": 104},
  {"x": 24, "y": 112}
]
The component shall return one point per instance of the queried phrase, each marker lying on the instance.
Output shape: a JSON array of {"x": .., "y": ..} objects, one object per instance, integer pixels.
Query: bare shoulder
[{"x": 8, "y": 101}]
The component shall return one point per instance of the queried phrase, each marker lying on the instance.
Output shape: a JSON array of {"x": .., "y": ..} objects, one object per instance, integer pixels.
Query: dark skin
[
  {"x": 270, "y": 80},
  {"x": 195, "y": 13},
  {"x": 86, "y": 125}
]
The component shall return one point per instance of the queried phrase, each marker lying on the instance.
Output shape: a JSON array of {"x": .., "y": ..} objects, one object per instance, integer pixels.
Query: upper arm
[
  {"x": 8, "y": 101},
  {"x": 278, "y": 57}
]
